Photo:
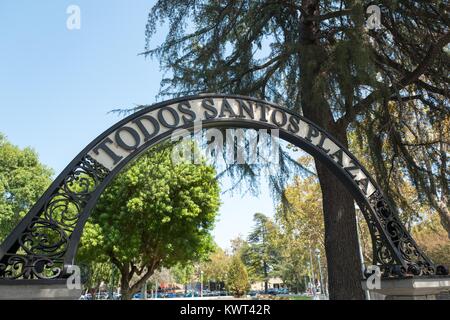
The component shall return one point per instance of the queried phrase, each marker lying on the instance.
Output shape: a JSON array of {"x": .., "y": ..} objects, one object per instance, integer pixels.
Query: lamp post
[
  {"x": 144, "y": 291},
  {"x": 310, "y": 264},
  {"x": 317, "y": 252},
  {"x": 111, "y": 284},
  {"x": 201, "y": 283},
  {"x": 305, "y": 278},
  {"x": 358, "y": 232},
  {"x": 193, "y": 286}
]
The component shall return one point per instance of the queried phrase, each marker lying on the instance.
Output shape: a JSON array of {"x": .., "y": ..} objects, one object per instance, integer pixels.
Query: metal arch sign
[
  {"x": 44, "y": 243},
  {"x": 124, "y": 141}
]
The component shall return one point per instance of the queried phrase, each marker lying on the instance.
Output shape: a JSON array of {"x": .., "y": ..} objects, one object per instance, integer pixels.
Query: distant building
[{"x": 273, "y": 283}]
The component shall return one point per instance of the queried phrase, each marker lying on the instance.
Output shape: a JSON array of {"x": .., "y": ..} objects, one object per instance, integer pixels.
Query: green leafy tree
[
  {"x": 433, "y": 239},
  {"x": 97, "y": 273},
  {"x": 155, "y": 214},
  {"x": 183, "y": 273},
  {"x": 237, "y": 279},
  {"x": 238, "y": 245},
  {"x": 261, "y": 254},
  {"x": 318, "y": 58},
  {"x": 301, "y": 231},
  {"x": 215, "y": 267},
  {"x": 23, "y": 179}
]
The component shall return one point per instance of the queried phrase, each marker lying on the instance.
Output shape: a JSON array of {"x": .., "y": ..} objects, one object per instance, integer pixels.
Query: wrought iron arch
[{"x": 44, "y": 244}]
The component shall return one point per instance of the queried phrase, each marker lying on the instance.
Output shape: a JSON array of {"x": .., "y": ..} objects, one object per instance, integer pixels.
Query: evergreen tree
[
  {"x": 261, "y": 254},
  {"x": 237, "y": 279},
  {"x": 318, "y": 58}
]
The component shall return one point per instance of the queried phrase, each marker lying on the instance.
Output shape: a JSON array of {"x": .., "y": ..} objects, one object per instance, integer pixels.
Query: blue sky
[{"x": 58, "y": 85}]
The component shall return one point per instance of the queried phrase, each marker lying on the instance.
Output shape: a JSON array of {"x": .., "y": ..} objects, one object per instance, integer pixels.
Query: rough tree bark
[
  {"x": 126, "y": 288},
  {"x": 341, "y": 242},
  {"x": 128, "y": 271}
]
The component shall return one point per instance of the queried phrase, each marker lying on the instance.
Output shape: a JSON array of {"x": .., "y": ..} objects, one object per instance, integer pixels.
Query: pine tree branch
[
  {"x": 404, "y": 99},
  {"x": 407, "y": 79},
  {"x": 329, "y": 15},
  {"x": 432, "y": 88},
  {"x": 432, "y": 52}
]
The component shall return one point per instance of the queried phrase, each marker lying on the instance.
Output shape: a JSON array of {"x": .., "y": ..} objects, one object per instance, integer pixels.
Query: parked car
[
  {"x": 283, "y": 291},
  {"x": 223, "y": 293},
  {"x": 138, "y": 296},
  {"x": 101, "y": 296},
  {"x": 207, "y": 293},
  {"x": 117, "y": 296},
  {"x": 192, "y": 294},
  {"x": 86, "y": 296},
  {"x": 253, "y": 293}
]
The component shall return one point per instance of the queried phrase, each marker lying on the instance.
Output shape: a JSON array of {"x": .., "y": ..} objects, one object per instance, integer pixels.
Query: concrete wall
[{"x": 37, "y": 290}]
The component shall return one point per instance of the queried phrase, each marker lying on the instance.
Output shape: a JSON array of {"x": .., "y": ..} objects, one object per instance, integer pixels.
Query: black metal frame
[{"x": 45, "y": 242}]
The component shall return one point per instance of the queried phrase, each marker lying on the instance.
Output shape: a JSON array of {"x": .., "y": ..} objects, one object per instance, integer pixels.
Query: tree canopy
[
  {"x": 216, "y": 267},
  {"x": 237, "y": 277},
  {"x": 155, "y": 214},
  {"x": 23, "y": 180}
]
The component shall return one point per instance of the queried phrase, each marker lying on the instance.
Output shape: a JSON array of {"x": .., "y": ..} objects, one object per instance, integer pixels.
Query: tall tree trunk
[
  {"x": 125, "y": 289},
  {"x": 341, "y": 241},
  {"x": 266, "y": 280}
]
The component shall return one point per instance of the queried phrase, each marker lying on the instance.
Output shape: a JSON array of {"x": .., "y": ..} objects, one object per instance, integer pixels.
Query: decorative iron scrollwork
[
  {"x": 30, "y": 267},
  {"x": 408, "y": 259},
  {"x": 42, "y": 245},
  {"x": 44, "y": 237}
]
